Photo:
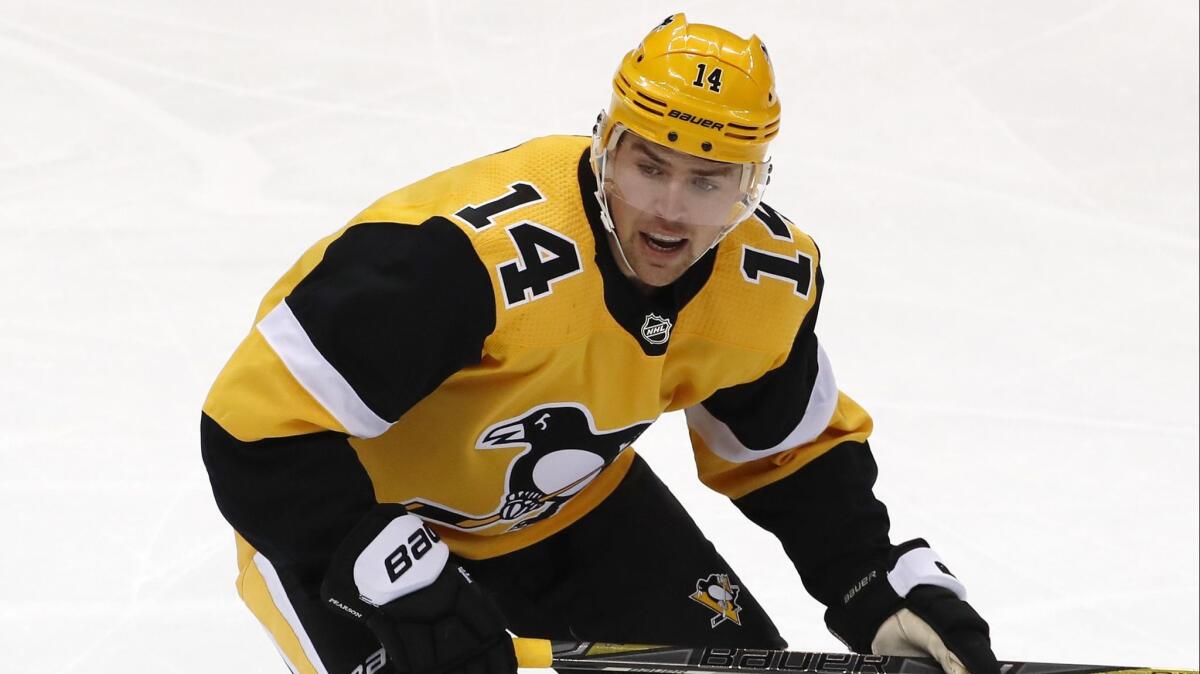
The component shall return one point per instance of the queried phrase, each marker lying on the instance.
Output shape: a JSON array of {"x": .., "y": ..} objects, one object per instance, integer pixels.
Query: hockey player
[{"x": 427, "y": 436}]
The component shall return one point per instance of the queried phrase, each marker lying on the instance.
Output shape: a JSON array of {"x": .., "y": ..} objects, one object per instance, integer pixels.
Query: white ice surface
[{"x": 1005, "y": 194}]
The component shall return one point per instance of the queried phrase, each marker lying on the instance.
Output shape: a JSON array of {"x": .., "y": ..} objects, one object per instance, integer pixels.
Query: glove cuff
[
  {"x": 881, "y": 589},
  {"x": 389, "y": 554}
]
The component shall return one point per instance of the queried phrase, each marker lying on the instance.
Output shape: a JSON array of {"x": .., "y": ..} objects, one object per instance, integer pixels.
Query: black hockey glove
[
  {"x": 396, "y": 575},
  {"x": 912, "y": 605}
]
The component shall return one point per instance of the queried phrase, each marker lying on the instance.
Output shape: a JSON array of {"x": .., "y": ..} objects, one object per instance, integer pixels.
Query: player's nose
[{"x": 671, "y": 203}]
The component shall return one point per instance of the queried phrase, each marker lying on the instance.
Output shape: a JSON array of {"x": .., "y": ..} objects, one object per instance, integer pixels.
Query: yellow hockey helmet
[
  {"x": 697, "y": 89},
  {"x": 702, "y": 91}
]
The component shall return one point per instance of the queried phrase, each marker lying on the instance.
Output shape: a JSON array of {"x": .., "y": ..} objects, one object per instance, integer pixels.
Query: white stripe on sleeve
[
  {"x": 280, "y": 598},
  {"x": 289, "y": 341},
  {"x": 821, "y": 405}
]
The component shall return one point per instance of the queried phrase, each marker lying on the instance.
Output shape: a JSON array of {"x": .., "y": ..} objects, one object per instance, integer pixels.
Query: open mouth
[{"x": 663, "y": 243}]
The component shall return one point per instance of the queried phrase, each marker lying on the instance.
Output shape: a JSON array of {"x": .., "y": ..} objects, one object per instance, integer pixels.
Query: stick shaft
[{"x": 597, "y": 656}]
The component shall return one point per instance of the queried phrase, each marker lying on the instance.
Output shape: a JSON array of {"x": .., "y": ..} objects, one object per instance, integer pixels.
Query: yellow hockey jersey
[{"x": 468, "y": 347}]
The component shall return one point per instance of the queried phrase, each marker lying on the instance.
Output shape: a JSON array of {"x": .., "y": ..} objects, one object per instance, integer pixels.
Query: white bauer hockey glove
[
  {"x": 912, "y": 605},
  {"x": 395, "y": 574}
]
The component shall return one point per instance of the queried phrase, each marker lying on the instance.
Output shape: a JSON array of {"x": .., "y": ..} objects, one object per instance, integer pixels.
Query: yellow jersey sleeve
[
  {"x": 755, "y": 433},
  {"x": 365, "y": 325}
]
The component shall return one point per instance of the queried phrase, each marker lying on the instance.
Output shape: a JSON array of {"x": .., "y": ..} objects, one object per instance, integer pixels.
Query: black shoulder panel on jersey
[
  {"x": 763, "y": 412},
  {"x": 396, "y": 309},
  {"x": 294, "y": 499},
  {"x": 827, "y": 518}
]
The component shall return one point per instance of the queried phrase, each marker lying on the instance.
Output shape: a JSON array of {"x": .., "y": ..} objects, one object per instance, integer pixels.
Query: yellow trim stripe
[{"x": 263, "y": 593}]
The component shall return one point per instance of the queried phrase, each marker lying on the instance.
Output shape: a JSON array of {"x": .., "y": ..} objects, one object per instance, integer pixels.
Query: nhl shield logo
[{"x": 656, "y": 329}]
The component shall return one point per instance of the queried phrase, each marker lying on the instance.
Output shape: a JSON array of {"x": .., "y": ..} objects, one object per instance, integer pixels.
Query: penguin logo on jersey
[
  {"x": 656, "y": 329},
  {"x": 719, "y": 595},
  {"x": 563, "y": 453}
]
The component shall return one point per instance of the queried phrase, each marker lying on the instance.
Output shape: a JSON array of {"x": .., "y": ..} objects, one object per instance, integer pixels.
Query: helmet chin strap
[
  {"x": 599, "y": 162},
  {"x": 611, "y": 229}
]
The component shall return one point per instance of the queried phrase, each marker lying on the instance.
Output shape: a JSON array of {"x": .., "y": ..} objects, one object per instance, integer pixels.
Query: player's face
[{"x": 667, "y": 207}]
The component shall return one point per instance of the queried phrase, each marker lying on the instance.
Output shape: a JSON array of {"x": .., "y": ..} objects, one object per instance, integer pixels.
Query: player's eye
[
  {"x": 705, "y": 185},
  {"x": 650, "y": 169}
]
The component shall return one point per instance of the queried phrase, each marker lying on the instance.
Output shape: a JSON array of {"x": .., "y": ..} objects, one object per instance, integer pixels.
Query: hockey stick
[{"x": 597, "y": 656}]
